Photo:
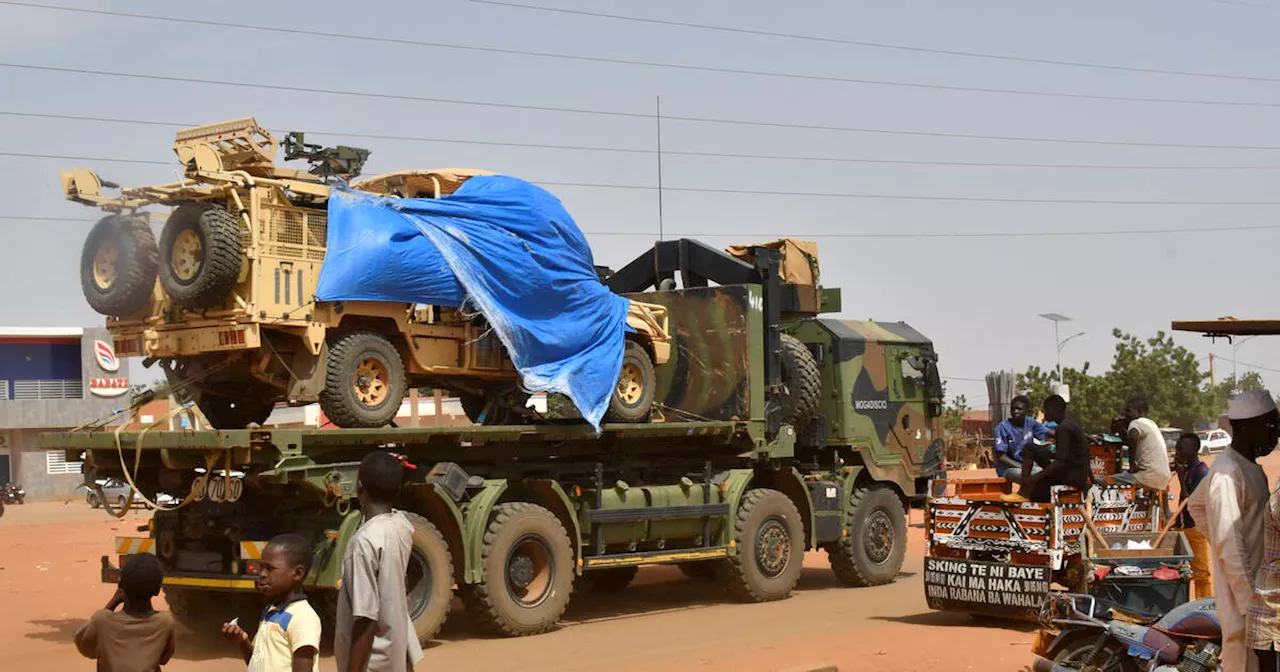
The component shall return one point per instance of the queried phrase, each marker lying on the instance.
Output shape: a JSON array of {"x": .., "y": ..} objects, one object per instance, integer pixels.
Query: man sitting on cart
[
  {"x": 1013, "y": 436},
  {"x": 1070, "y": 465}
]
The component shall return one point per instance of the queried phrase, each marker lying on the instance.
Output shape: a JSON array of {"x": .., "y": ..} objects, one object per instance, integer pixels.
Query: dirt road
[{"x": 49, "y": 585}]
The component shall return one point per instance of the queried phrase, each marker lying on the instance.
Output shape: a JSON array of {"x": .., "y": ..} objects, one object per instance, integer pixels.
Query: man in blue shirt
[{"x": 1013, "y": 435}]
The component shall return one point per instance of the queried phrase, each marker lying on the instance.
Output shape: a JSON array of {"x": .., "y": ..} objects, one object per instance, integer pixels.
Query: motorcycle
[
  {"x": 12, "y": 493},
  {"x": 1187, "y": 639}
]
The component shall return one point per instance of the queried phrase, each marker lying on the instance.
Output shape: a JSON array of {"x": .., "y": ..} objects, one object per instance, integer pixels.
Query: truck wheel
[
  {"x": 118, "y": 265},
  {"x": 428, "y": 580},
  {"x": 769, "y": 536},
  {"x": 526, "y": 569},
  {"x": 700, "y": 571},
  {"x": 872, "y": 553},
  {"x": 606, "y": 581},
  {"x": 200, "y": 255},
  {"x": 802, "y": 382},
  {"x": 632, "y": 398},
  {"x": 235, "y": 411},
  {"x": 364, "y": 384}
]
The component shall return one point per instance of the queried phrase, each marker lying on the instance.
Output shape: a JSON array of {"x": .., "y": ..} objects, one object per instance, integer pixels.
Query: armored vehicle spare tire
[
  {"x": 200, "y": 255},
  {"x": 632, "y": 398},
  {"x": 802, "y": 380},
  {"x": 118, "y": 265},
  {"x": 364, "y": 383}
]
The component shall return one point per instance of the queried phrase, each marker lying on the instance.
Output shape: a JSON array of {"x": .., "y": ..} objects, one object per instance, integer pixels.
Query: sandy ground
[{"x": 49, "y": 585}]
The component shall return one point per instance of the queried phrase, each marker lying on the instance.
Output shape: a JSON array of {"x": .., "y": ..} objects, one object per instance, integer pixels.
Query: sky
[{"x": 893, "y": 216}]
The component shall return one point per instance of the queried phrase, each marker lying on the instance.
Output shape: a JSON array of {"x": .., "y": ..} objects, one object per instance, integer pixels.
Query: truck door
[{"x": 912, "y": 429}]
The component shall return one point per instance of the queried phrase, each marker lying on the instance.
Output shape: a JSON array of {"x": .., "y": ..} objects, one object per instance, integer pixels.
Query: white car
[{"x": 1213, "y": 440}]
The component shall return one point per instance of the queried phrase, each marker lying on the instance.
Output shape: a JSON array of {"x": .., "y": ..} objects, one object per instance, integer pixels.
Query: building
[{"x": 53, "y": 379}]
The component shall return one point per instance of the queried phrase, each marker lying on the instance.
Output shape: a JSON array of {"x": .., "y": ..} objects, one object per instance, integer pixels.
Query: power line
[
  {"x": 763, "y": 192},
  {"x": 696, "y": 154},
  {"x": 883, "y": 45},
  {"x": 707, "y": 120},
  {"x": 944, "y": 234},
  {"x": 611, "y": 61}
]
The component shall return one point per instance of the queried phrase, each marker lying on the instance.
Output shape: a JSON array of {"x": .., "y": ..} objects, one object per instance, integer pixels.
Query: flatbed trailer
[{"x": 584, "y": 506}]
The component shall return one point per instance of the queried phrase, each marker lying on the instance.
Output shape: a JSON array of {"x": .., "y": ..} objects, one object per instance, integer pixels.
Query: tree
[
  {"x": 953, "y": 416},
  {"x": 1228, "y": 386},
  {"x": 1168, "y": 376}
]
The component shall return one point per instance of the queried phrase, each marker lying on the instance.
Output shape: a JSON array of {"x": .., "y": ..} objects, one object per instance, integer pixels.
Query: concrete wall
[
  {"x": 30, "y": 469},
  {"x": 67, "y": 413}
]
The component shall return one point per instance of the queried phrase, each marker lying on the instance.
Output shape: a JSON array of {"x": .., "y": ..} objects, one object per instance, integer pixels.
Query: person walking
[{"x": 1230, "y": 506}]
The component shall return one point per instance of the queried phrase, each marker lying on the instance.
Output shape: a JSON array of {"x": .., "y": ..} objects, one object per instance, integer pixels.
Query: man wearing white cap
[{"x": 1231, "y": 505}]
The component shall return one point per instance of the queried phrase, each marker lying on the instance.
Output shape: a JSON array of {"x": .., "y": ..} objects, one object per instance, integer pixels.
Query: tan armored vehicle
[{"x": 225, "y": 302}]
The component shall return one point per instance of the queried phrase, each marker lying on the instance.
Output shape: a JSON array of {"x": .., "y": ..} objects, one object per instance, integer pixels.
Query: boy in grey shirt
[{"x": 374, "y": 632}]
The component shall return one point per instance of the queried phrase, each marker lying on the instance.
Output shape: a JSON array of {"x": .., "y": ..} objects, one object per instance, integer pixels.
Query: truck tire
[
  {"x": 802, "y": 381},
  {"x": 428, "y": 579},
  {"x": 235, "y": 411},
  {"x": 606, "y": 581},
  {"x": 526, "y": 569},
  {"x": 872, "y": 553},
  {"x": 200, "y": 255},
  {"x": 632, "y": 398},
  {"x": 118, "y": 265},
  {"x": 364, "y": 384},
  {"x": 769, "y": 536}
]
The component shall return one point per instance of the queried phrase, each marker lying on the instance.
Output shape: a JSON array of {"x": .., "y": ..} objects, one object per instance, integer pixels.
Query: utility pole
[
  {"x": 1213, "y": 382},
  {"x": 658, "y": 118}
]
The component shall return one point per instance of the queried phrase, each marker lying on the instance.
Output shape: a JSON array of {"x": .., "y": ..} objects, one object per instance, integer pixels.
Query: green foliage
[
  {"x": 1219, "y": 393},
  {"x": 1166, "y": 374},
  {"x": 953, "y": 416}
]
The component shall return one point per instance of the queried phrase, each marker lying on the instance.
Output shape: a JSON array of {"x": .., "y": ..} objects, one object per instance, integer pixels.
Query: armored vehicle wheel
[
  {"x": 428, "y": 581},
  {"x": 770, "y": 539},
  {"x": 872, "y": 553},
  {"x": 633, "y": 397},
  {"x": 235, "y": 410},
  {"x": 802, "y": 381},
  {"x": 365, "y": 383},
  {"x": 200, "y": 255},
  {"x": 606, "y": 581},
  {"x": 701, "y": 571},
  {"x": 527, "y": 570},
  {"x": 118, "y": 265}
]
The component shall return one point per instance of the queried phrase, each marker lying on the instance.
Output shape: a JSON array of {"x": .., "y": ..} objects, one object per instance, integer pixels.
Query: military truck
[
  {"x": 783, "y": 431},
  {"x": 225, "y": 302}
]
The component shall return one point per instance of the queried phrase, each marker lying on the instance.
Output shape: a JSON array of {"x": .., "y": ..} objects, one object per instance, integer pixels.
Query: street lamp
[
  {"x": 1235, "y": 346},
  {"x": 1056, "y": 319}
]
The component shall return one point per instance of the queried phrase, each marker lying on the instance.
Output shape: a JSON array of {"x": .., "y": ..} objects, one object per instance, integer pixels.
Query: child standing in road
[
  {"x": 374, "y": 632},
  {"x": 137, "y": 638},
  {"x": 1191, "y": 471},
  {"x": 288, "y": 635}
]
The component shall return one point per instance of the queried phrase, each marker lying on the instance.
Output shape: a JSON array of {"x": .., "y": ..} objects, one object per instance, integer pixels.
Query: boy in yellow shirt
[{"x": 288, "y": 637}]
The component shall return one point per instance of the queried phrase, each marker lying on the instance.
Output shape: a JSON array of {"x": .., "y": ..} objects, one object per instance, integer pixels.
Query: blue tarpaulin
[{"x": 503, "y": 246}]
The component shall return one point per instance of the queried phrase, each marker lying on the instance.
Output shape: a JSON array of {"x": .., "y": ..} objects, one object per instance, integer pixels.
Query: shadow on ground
[{"x": 955, "y": 618}]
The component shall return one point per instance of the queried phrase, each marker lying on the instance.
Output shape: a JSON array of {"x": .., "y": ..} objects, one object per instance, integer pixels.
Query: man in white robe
[{"x": 1231, "y": 506}]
